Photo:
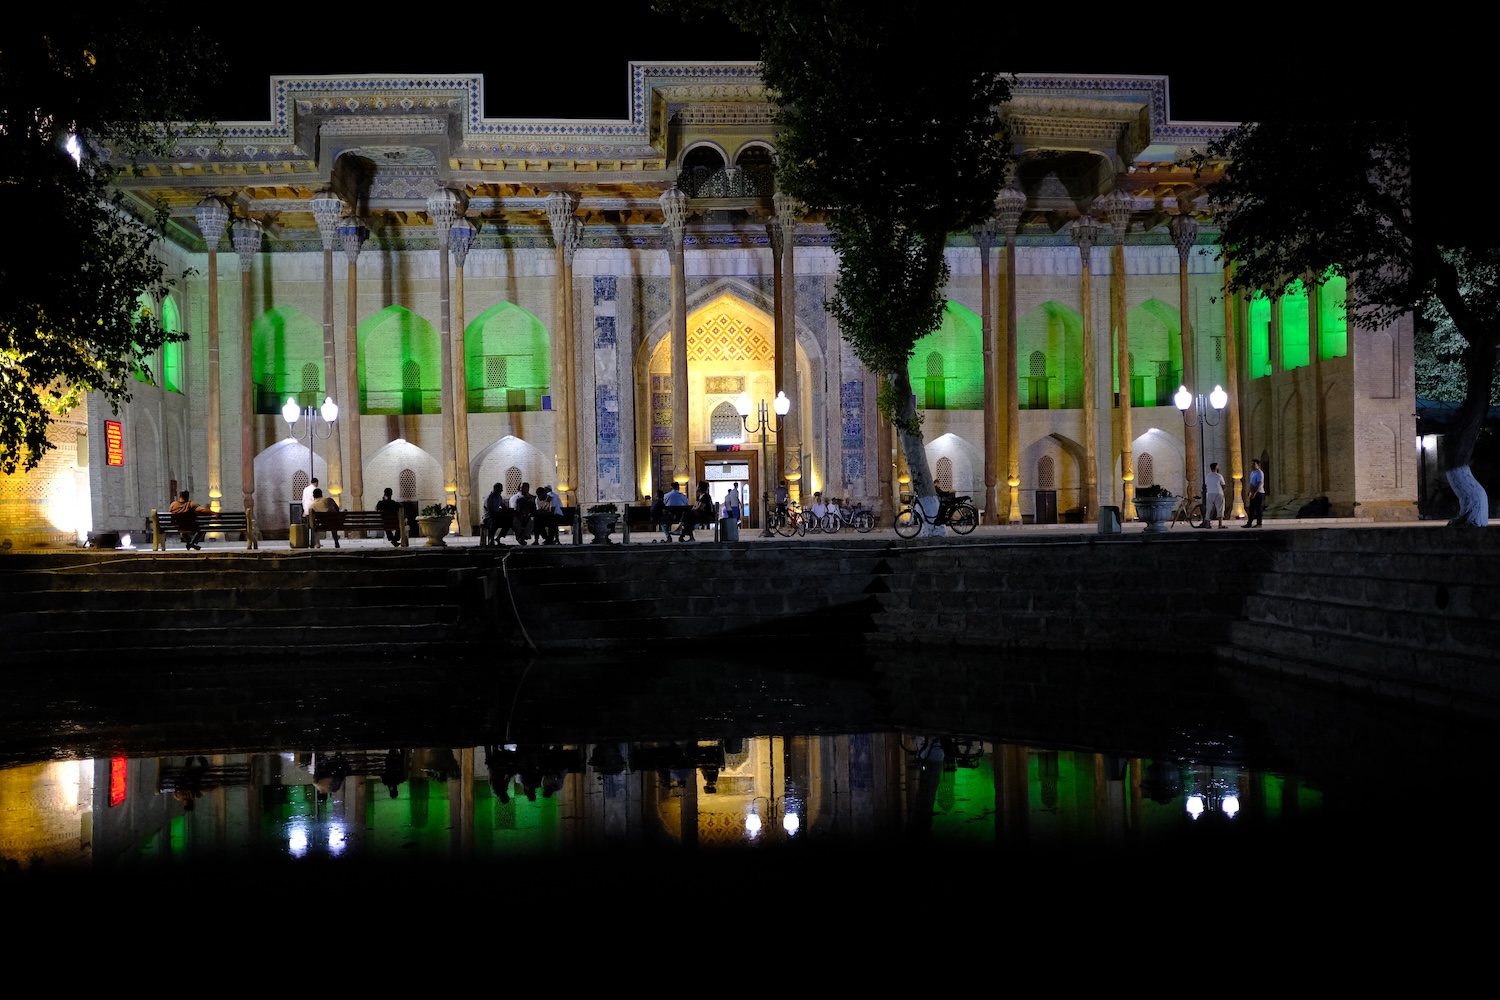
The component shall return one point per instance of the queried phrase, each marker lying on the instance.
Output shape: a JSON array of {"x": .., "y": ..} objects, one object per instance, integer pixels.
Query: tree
[
  {"x": 1308, "y": 199},
  {"x": 80, "y": 101},
  {"x": 889, "y": 123}
]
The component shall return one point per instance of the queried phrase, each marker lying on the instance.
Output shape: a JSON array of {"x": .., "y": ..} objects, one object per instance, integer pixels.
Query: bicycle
[
  {"x": 790, "y": 522},
  {"x": 861, "y": 518},
  {"x": 1189, "y": 509},
  {"x": 954, "y": 512}
]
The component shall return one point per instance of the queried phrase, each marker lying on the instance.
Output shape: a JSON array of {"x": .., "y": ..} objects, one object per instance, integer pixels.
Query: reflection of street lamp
[
  {"x": 291, "y": 412},
  {"x": 781, "y": 405},
  {"x": 1218, "y": 399},
  {"x": 1217, "y": 795},
  {"x": 790, "y": 821}
]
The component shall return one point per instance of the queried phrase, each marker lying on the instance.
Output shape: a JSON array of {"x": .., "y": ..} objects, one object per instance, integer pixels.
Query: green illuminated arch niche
[
  {"x": 1049, "y": 354},
  {"x": 507, "y": 360},
  {"x": 400, "y": 363},
  {"x": 174, "y": 374},
  {"x": 286, "y": 348},
  {"x": 947, "y": 365},
  {"x": 1156, "y": 352}
]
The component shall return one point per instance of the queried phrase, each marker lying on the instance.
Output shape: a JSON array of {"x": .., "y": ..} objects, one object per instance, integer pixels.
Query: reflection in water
[{"x": 493, "y": 802}]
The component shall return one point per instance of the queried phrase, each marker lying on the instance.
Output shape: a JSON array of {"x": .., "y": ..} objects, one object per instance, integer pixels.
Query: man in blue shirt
[
  {"x": 1256, "y": 518},
  {"x": 677, "y": 504}
]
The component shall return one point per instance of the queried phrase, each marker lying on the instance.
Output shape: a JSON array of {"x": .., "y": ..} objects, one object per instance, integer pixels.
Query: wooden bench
[
  {"x": 164, "y": 522},
  {"x": 360, "y": 520}
]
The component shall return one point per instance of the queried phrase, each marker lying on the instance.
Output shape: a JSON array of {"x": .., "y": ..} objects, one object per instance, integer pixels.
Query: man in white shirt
[
  {"x": 1213, "y": 503},
  {"x": 307, "y": 497}
]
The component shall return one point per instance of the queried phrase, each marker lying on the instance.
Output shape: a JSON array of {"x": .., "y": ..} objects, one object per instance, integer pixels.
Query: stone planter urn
[
  {"x": 1155, "y": 512},
  {"x": 600, "y": 525},
  {"x": 435, "y": 529}
]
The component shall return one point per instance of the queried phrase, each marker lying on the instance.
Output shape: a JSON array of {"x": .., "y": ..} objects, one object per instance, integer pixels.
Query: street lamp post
[
  {"x": 329, "y": 411},
  {"x": 781, "y": 405},
  {"x": 1218, "y": 399}
]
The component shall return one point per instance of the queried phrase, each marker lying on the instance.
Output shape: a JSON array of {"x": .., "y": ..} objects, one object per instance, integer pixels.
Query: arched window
[
  {"x": 310, "y": 383},
  {"x": 702, "y": 174},
  {"x": 512, "y": 481},
  {"x": 757, "y": 172},
  {"x": 725, "y": 425},
  {"x": 944, "y": 478},
  {"x": 1046, "y": 474},
  {"x": 1145, "y": 470},
  {"x": 1037, "y": 397},
  {"x": 173, "y": 373},
  {"x": 936, "y": 396},
  {"x": 299, "y": 483},
  {"x": 407, "y": 484}
]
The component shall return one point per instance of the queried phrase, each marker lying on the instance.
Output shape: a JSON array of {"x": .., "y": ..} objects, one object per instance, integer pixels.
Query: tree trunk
[
  {"x": 909, "y": 433},
  {"x": 1473, "y": 500}
]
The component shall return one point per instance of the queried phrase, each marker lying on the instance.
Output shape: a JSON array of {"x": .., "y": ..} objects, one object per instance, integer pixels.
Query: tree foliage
[
  {"x": 1309, "y": 199},
  {"x": 69, "y": 321}
]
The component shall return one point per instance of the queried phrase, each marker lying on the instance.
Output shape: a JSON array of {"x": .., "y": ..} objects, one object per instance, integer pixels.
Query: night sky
[{"x": 573, "y": 63}]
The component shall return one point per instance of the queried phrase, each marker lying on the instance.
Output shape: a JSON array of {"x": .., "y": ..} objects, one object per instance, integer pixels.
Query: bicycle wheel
[
  {"x": 802, "y": 525},
  {"x": 1195, "y": 513},
  {"x": 963, "y": 519},
  {"x": 830, "y": 523},
  {"x": 786, "y": 525},
  {"x": 908, "y": 523},
  {"x": 864, "y": 521}
]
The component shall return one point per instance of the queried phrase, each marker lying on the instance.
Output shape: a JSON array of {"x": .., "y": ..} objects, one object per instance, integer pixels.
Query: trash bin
[
  {"x": 298, "y": 536},
  {"x": 1109, "y": 520},
  {"x": 729, "y": 529}
]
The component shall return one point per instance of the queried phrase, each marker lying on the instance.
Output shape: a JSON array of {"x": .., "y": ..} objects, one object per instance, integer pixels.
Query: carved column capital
[
  {"x": 352, "y": 236},
  {"x": 560, "y": 208},
  {"x": 460, "y": 238},
  {"x": 246, "y": 237},
  {"x": 443, "y": 206},
  {"x": 1117, "y": 207},
  {"x": 328, "y": 208},
  {"x": 212, "y": 215},
  {"x": 674, "y": 208},
  {"x": 985, "y": 233},
  {"x": 773, "y": 230},
  {"x": 1085, "y": 230},
  {"x": 1184, "y": 230},
  {"x": 1009, "y": 204},
  {"x": 572, "y": 236},
  {"x": 788, "y": 212}
]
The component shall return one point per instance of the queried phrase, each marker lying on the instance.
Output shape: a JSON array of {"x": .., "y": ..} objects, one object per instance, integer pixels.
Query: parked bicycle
[
  {"x": 1189, "y": 509},
  {"x": 861, "y": 518},
  {"x": 956, "y": 512},
  {"x": 790, "y": 522}
]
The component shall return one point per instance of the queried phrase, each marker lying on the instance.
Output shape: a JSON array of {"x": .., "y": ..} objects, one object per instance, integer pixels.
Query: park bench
[
  {"x": 164, "y": 522},
  {"x": 360, "y": 520}
]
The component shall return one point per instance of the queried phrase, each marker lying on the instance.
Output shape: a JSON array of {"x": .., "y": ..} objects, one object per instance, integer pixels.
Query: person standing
[
  {"x": 1256, "y": 487},
  {"x": 390, "y": 510},
  {"x": 1213, "y": 503},
  {"x": 524, "y": 505},
  {"x": 307, "y": 497}
]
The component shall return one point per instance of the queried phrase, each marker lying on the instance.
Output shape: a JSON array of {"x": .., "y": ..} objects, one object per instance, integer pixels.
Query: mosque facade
[{"x": 584, "y": 304}]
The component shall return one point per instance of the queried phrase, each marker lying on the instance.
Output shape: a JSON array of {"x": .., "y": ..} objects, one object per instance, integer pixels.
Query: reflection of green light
[{"x": 965, "y": 808}]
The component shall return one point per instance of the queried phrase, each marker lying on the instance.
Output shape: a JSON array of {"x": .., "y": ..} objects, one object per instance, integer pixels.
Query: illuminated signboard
[
  {"x": 114, "y": 443},
  {"x": 116, "y": 780}
]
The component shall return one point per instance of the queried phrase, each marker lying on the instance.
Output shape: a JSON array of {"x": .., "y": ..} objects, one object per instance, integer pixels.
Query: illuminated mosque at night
[{"x": 584, "y": 304}]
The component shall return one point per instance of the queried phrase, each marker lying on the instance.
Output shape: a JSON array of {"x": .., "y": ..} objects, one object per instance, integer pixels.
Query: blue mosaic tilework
[
  {"x": 607, "y": 415},
  {"x": 852, "y": 429},
  {"x": 604, "y": 288},
  {"x": 604, "y": 331}
]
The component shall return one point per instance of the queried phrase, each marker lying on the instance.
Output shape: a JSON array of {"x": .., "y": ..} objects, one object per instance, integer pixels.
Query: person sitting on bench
[
  {"x": 185, "y": 515},
  {"x": 323, "y": 505}
]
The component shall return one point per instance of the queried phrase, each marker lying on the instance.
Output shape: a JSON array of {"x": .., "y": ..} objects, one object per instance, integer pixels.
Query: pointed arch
[
  {"x": 507, "y": 360},
  {"x": 1056, "y": 332},
  {"x": 949, "y": 362},
  {"x": 1155, "y": 338},
  {"x": 283, "y": 341},
  {"x": 174, "y": 371},
  {"x": 390, "y": 343}
]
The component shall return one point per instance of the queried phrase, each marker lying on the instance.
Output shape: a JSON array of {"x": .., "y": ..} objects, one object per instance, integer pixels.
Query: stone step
[
  {"x": 280, "y": 598},
  {"x": 59, "y": 621},
  {"x": 1402, "y": 629},
  {"x": 233, "y": 640}
]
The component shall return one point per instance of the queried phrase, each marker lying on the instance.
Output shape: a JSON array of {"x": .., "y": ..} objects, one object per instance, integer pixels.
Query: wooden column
[
  {"x": 212, "y": 215},
  {"x": 352, "y": 235},
  {"x": 328, "y": 208},
  {"x": 461, "y": 238},
  {"x": 984, "y": 238},
  {"x": 442, "y": 209},
  {"x": 1119, "y": 206},
  {"x": 1009, "y": 205},
  {"x": 1085, "y": 232},
  {"x": 246, "y": 238},
  {"x": 789, "y": 441},
  {"x": 1232, "y": 378},
  {"x": 1184, "y": 230},
  {"x": 674, "y": 210}
]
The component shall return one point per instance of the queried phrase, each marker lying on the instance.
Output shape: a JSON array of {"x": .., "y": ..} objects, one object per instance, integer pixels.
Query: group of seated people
[
  {"x": 672, "y": 507},
  {"x": 529, "y": 516}
]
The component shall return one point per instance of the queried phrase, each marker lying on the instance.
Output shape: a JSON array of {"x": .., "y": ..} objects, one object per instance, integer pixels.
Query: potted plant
[
  {"x": 435, "y": 520},
  {"x": 601, "y": 519},
  {"x": 1153, "y": 505}
]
